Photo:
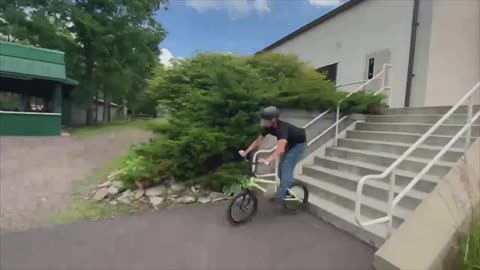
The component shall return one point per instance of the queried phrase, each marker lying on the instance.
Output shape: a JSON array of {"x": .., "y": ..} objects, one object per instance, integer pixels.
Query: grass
[
  {"x": 83, "y": 132},
  {"x": 473, "y": 244},
  {"x": 81, "y": 208}
]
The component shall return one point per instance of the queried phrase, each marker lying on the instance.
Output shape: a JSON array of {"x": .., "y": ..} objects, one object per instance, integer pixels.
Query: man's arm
[
  {"x": 282, "y": 136},
  {"x": 255, "y": 144},
  {"x": 281, "y": 146}
]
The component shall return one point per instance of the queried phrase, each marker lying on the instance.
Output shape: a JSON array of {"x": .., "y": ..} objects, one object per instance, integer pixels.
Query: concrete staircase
[{"x": 370, "y": 148}]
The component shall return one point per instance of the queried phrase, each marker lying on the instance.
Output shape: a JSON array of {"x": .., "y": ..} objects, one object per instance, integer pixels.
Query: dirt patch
[{"x": 37, "y": 174}]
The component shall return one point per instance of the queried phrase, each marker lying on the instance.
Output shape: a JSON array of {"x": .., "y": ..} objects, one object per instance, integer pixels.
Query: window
[
  {"x": 10, "y": 101},
  {"x": 330, "y": 72},
  {"x": 371, "y": 65}
]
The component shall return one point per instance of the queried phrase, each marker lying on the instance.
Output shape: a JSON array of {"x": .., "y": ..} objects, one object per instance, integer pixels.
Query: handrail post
[
  {"x": 336, "y": 123},
  {"x": 390, "y": 204},
  {"x": 469, "y": 120},
  {"x": 386, "y": 76}
]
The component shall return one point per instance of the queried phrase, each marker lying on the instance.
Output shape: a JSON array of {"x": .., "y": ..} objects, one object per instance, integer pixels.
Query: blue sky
[{"x": 237, "y": 26}]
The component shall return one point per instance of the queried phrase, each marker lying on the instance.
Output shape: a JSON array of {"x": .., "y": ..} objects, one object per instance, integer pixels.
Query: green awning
[{"x": 66, "y": 81}]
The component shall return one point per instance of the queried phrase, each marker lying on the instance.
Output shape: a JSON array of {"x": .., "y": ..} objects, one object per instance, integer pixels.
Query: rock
[
  {"x": 203, "y": 200},
  {"x": 112, "y": 190},
  {"x": 139, "y": 194},
  {"x": 193, "y": 189},
  {"x": 216, "y": 196},
  {"x": 155, "y": 191},
  {"x": 105, "y": 184},
  {"x": 112, "y": 176},
  {"x": 100, "y": 194},
  {"x": 174, "y": 195},
  {"x": 155, "y": 201},
  {"x": 113, "y": 202},
  {"x": 124, "y": 200},
  {"x": 185, "y": 200},
  {"x": 118, "y": 185},
  {"x": 177, "y": 187}
]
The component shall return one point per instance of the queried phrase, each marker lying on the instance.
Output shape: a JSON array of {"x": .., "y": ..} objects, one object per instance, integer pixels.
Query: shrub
[{"x": 213, "y": 101}]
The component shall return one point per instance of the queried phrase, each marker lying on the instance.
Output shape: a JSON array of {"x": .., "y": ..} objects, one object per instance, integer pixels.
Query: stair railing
[
  {"x": 382, "y": 74},
  {"x": 390, "y": 171}
]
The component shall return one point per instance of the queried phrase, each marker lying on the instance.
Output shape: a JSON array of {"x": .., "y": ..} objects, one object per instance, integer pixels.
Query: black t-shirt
[{"x": 294, "y": 135}]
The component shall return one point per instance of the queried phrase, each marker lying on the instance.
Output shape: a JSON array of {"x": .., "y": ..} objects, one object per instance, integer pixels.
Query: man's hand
[
  {"x": 263, "y": 161},
  {"x": 242, "y": 153}
]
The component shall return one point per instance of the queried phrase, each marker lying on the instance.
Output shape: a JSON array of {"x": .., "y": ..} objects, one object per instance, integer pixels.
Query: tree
[{"x": 111, "y": 45}]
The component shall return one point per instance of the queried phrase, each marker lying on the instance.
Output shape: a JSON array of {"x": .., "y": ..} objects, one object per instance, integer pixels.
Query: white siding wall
[
  {"x": 349, "y": 37},
  {"x": 454, "y": 60}
]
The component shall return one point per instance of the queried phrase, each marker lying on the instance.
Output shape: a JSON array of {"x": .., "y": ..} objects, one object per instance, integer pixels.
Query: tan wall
[
  {"x": 454, "y": 55},
  {"x": 426, "y": 237}
]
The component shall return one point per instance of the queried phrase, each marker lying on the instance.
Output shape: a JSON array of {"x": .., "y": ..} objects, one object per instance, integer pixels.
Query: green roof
[{"x": 28, "y": 60}]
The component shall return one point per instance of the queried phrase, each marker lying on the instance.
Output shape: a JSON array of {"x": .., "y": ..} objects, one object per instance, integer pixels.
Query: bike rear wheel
[
  {"x": 242, "y": 207},
  {"x": 297, "y": 197}
]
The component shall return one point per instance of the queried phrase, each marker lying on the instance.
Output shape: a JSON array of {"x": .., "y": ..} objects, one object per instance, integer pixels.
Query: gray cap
[{"x": 270, "y": 113}]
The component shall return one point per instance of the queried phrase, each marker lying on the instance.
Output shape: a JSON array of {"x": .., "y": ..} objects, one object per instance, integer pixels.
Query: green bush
[{"x": 213, "y": 101}]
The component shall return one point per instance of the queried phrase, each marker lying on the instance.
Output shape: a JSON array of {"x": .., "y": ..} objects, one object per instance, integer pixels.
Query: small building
[
  {"x": 33, "y": 84},
  {"x": 433, "y": 47}
]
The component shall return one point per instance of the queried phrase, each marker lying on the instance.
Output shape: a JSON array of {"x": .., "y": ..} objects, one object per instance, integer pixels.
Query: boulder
[
  {"x": 185, "y": 200},
  {"x": 155, "y": 201},
  {"x": 203, "y": 200},
  {"x": 177, "y": 187},
  {"x": 105, "y": 184},
  {"x": 216, "y": 196},
  {"x": 155, "y": 191},
  {"x": 100, "y": 194},
  {"x": 139, "y": 194},
  {"x": 113, "y": 190}
]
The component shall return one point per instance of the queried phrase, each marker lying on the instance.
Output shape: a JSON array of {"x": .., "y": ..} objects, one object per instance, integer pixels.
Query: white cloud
[
  {"x": 236, "y": 8},
  {"x": 326, "y": 3},
  {"x": 165, "y": 57}
]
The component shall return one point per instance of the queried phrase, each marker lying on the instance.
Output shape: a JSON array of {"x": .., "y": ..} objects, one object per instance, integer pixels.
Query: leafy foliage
[
  {"x": 213, "y": 102},
  {"x": 111, "y": 46}
]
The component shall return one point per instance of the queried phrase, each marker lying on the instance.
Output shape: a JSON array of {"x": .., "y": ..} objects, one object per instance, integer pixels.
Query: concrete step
[
  {"x": 371, "y": 208},
  {"x": 344, "y": 219},
  {"x": 440, "y": 169},
  {"x": 423, "y": 151},
  {"x": 429, "y": 110},
  {"x": 377, "y": 189},
  {"x": 456, "y": 119},
  {"x": 402, "y": 179},
  {"x": 406, "y": 138},
  {"x": 450, "y": 130}
]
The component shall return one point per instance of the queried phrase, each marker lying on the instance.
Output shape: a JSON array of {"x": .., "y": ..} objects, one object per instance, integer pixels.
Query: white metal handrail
[
  {"x": 335, "y": 125},
  {"x": 390, "y": 171},
  {"x": 384, "y": 87}
]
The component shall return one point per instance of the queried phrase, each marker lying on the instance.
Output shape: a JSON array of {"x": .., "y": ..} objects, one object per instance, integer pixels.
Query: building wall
[
  {"x": 347, "y": 39},
  {"x": 454, "y": 55}
]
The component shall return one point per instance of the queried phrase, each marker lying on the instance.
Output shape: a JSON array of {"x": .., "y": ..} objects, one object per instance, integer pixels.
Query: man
[{"x": 291, "y": 143}]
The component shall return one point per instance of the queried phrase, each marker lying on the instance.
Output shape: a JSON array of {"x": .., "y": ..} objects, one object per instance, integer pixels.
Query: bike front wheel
[{"x": 242, "y": 207}]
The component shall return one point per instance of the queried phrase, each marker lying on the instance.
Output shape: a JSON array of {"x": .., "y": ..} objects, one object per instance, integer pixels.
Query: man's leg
[{"x": 287, "y": 168}]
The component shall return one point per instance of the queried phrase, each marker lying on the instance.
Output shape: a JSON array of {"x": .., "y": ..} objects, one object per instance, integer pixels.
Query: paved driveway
[
  {"x": 192, "y": 237},
  {"x": 37, "y": 173}
]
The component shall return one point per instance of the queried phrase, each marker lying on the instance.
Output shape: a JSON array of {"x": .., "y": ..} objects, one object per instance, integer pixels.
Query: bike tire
[
  {"x": 252, "y": 204},
  {"x": 297, "y": 205}
]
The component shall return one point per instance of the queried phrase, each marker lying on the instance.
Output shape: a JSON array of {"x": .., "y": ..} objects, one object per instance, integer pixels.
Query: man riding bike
[{"x": 291, "y": 144}]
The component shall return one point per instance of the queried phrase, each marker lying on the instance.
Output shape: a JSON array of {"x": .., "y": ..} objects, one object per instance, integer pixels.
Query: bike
[{"x": 246, "y": 202}]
